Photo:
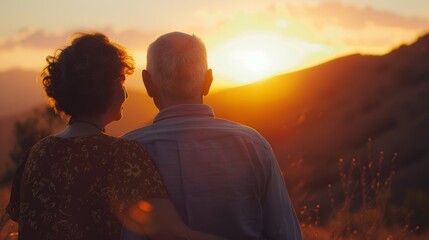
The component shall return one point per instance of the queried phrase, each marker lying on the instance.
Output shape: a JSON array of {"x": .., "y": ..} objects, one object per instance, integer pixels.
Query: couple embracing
[{"x": 188, "y": 175}]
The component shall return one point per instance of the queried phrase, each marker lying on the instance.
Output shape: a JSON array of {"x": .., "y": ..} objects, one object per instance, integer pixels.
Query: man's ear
[
  {"x": 207, "y": 82},
  {"x": 148, "y": 83}
]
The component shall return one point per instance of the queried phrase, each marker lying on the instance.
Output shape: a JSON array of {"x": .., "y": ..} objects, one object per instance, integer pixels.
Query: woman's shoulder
[
  {"x": 46, "y": 142},
  {"x": 95, "y": 146},
  {"x": 87, "y": 139},
  {"x": 119, "y": 147},
  {"x": 105, "y": 142},
  {"x": 125, "y": 144}
]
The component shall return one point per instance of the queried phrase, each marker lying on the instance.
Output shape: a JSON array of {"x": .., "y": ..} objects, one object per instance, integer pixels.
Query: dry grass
[{"x": 364, "y": 211}]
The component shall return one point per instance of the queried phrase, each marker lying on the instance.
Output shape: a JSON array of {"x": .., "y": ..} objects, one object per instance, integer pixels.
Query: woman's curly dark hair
[{"x": 79, "y": 79}]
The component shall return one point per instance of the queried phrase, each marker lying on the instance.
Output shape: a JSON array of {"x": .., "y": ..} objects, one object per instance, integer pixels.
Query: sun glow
[{"x": 254, "y": 56}]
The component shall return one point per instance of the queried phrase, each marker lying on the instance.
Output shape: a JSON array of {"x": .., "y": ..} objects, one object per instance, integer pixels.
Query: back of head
[
  {"x": 79, "y": 79},
  {"x": 177, "y": 63}
]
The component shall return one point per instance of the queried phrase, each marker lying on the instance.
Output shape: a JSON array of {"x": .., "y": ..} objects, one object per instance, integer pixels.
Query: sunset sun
[{"x": 254, "y": 56}]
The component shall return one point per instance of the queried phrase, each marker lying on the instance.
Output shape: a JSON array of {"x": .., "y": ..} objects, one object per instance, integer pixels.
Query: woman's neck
[{"x": 82, "y": 126}]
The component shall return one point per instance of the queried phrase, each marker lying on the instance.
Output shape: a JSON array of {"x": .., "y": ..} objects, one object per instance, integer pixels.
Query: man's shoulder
[
  {"x": 210, "y": 127},
  {"x": 134, "y": 134},
  {"x": 234, "y": 126},
  {"x": 242, "y": 131}
]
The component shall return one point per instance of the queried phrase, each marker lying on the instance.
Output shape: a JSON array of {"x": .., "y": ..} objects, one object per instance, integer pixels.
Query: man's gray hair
[{"x": 177, "y": 63}]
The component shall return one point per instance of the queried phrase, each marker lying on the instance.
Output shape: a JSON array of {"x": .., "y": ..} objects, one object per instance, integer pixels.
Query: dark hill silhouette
[
  {"x": 329, "y": 111},
  {"x": 316, "y": 115}
]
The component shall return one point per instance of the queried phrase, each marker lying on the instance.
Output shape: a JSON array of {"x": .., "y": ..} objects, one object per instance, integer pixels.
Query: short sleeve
[
  {"x": 15, "y": 198},
  {"x": 134, "y": 176}
]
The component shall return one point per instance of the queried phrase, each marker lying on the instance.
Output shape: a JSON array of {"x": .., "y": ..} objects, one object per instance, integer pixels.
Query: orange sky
[{"x": 246, "y": 40}]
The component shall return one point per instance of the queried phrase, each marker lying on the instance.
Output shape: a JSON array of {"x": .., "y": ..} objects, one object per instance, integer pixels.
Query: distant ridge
[
  {"x": 19, "y": 91},
  {"x": 314, "y": 116}
]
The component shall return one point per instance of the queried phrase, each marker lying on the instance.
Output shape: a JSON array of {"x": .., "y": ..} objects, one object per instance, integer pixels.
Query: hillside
[
  {"x": 138, "y": 111},
  {"x": 315, "y": 116},
  {"x": 19, "y": 91}
]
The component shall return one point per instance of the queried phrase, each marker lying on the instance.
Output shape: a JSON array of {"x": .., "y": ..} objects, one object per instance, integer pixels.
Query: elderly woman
[{"x": 81, "y": 183}]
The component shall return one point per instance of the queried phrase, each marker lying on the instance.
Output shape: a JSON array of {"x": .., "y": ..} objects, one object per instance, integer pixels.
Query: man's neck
[{"x": 170, "y": 102}]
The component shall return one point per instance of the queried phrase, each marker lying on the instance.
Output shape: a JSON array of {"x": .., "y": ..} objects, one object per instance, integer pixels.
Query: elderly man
[{"x": 222, "y": 177}]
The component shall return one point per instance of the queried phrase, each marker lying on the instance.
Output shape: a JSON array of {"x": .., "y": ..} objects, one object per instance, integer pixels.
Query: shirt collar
[{"x": 182, "y": 110}]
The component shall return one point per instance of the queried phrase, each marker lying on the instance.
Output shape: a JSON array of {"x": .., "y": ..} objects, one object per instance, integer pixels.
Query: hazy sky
[{"x": 246, "y": 39}]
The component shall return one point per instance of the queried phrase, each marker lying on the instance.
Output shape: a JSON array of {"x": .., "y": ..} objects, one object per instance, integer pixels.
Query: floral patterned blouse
[{"x": 77, "y": 188}]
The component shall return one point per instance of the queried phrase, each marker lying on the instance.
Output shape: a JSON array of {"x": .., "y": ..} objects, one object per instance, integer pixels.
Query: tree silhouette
[{"x": 27, "y": 133}]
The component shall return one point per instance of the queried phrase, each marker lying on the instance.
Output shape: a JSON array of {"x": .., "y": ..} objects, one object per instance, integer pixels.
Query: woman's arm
[
  {"x": 150, "y": 211},
  {"x": 158, "y": 219}
]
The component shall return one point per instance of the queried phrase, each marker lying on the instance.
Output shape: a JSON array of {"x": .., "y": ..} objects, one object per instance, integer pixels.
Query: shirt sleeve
[
  {"x": 15, "y": 198},
  {"x": 134, "y": 176},
  {"x": 280, "y": 219}
]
